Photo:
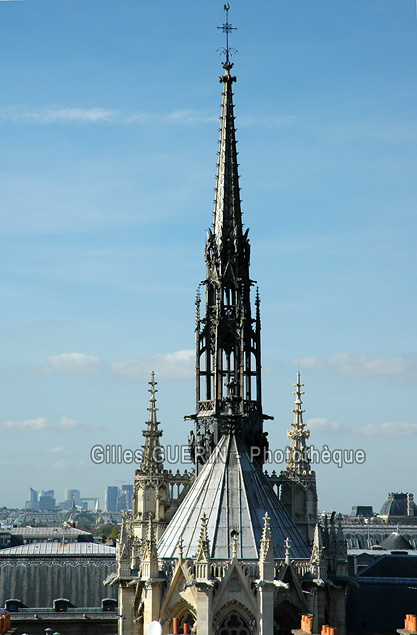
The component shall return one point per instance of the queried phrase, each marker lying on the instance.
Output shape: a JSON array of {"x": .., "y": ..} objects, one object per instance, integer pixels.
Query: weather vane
[{"x": 227, "y": 28}]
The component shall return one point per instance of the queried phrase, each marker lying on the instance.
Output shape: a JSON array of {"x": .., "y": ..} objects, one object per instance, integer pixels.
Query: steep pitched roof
[
  {"x": 396, "y": 542},
  {"x": 234, "y": 494}
]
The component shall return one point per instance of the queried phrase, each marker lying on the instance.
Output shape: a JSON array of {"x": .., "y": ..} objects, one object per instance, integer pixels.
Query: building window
[{"x": 234, "y": 624}]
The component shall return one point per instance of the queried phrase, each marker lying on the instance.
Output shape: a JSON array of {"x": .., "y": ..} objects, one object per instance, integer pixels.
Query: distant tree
[
  {"x": 114, "y": 534},
  {"x": 84, "y": 520},
  {"x": 108, "y": 531}
]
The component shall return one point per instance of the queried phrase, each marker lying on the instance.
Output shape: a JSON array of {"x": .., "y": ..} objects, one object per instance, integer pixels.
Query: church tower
[{"x": 228, "y": 337}]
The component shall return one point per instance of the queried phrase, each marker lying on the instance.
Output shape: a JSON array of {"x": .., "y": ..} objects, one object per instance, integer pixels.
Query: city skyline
[{"x": 109, "y": 123}]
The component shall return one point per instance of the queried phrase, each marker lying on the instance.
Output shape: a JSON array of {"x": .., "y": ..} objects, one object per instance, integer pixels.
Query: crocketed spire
[
  {"x": 152, "y": 452},
  {"x": 298, "y": 461}
]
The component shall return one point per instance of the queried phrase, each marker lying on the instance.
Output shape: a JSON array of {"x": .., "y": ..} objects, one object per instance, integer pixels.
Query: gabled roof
[{"x": 234, "y": 494}]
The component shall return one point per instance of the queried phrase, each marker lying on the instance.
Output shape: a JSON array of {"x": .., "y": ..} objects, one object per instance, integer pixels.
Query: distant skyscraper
[
  {"x": 124, "y": 499},
  {"x": 47, "y": 503},
  {"x": 41, "y": 499},
  {"x": 110, "y": 498},
  {"x": 128, "y": 489},
  {"x": 73, "y": 495}
]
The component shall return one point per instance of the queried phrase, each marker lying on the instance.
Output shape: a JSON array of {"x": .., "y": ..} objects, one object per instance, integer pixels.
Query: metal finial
[{"x": 227, "y": 28}]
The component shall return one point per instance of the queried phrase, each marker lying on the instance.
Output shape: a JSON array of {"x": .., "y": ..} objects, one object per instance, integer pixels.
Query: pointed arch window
[{"x": 234, "y": 624}]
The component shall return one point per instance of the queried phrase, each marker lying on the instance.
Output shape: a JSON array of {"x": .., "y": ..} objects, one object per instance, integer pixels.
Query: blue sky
[{"x": 109, "y": 126}]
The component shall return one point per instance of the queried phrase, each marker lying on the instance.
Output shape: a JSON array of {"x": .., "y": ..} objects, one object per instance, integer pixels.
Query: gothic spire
[
  {"x": 227, "y": 224},
  {"x": 298, "y": 461},
  {"x": 228, "y": 346},
  {"x": 152, "y": 452}
]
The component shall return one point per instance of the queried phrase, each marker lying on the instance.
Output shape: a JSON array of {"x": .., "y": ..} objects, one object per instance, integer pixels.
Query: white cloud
[
  {"x": 319, "y": 425},
  {"x": 177, "y": 365},
  {"x": 40, "y": 423},
  {"x": 177, "y": 117},
  {"x": 78, "y": 363},
  {"x": 60, "y": 450},
  {"x": 402, "y": 368},
  {"x": 66, "y": 423},
  {"x": 58, "y": 115},
  {"x": 43, "y": 423},
  {"x": 389, "y": 429}
]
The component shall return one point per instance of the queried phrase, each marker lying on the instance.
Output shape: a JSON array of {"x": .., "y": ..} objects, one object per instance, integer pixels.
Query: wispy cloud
[
  {"x": 59, "y": 450},
  {"x": 178, "y": 117},
  {"x": 39, "y": 424},
  {"x": 318, "y": 425},
  {"x": 65, "y": 115},
  {"x": 402, "y": 369},
  {"x": 389, "y": 429},
  {"x": 78, "y": 363},
  {"x": 58, "y": 115},
  {"x": 321, "y": 425},
  {"x": 176, "y": 365}
]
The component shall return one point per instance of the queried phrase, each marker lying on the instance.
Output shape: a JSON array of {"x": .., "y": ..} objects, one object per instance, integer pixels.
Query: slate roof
[
  {"x": 398, "y": 566},
  {"x": 396, "y": 542},
  {"x": 234, "y": 494}
]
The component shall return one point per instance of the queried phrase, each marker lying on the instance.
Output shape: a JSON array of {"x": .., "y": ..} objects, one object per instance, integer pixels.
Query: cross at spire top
[{"x": 227, "y": 28}]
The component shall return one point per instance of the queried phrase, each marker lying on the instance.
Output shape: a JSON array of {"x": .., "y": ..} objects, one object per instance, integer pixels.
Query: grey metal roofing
[
  {"x": 398, "y": 566},
  {"x": 396, "y": 505},
  {"x": 47, "y": 531},
  {"x": 396, "y": 541},
  {"x": 234, "y": 494},
  {"x": 376, "y": 552},
  {"x": 59, "y": 549}
]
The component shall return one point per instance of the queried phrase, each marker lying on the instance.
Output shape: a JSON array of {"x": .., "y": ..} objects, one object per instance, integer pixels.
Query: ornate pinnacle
[
  {"x": 150, "y": 545},
  {"x": 266, "y": 552},
  {"x": 298, "y": 460},
  {"x": 152, "y": 452},
  {"x": 203, "y": 548}
]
